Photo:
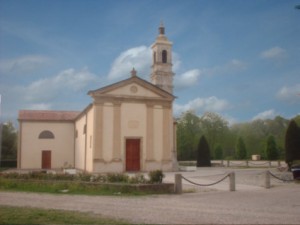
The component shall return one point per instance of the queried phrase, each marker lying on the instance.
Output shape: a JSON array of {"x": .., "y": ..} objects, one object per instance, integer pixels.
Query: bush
[
  {"x": 156, "y": 176},
  {"x": 241, "y": 151},
  {"x": 203, "y": 153},
  {"x": 292, "y": 143},
  {"x": 219, "y": 152},
  {"x": 271, "y": 150},
  {"x": 117, "y": 178},
  {"x": 138, "y": 179}
]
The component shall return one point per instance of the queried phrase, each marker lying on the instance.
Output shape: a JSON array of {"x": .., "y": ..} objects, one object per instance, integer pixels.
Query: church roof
[
  {"x": 47, "y": 115},
  {"x": 134, "y": 79}
]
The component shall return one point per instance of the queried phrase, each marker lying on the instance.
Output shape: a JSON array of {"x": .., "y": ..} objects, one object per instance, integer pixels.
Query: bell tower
[{"x": 162, "y": 74}]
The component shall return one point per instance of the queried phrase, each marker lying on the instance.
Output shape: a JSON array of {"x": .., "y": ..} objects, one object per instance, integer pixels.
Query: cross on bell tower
[{"x": 162, "y": 74}]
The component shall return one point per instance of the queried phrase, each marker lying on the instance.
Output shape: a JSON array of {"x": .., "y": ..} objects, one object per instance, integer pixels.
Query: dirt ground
[{"x": 251, "y": 203}]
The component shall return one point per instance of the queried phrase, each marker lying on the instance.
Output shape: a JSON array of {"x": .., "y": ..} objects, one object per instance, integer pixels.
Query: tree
[
  {"x": 271, "y": 149},
  {"x": 203, "y": 153},
  {"x": 188, "y": 133},
  {"x": 292, "y": 143},
  {"x": 9, "y": 141},
  {"x": 214, "y": 128},
  {"x": 219, "y": 152},
  {"x": 241, "y": 151}
]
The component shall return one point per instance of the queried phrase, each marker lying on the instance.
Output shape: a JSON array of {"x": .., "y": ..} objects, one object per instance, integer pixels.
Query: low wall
[
  {"x": 237, "y": 163},
  {"x": 163, "y": 188}
]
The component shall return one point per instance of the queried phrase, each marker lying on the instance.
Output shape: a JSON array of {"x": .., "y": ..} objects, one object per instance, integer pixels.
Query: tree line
[
  {"x": 239, "y": 141},
  {"x": 272, "y": 139}
]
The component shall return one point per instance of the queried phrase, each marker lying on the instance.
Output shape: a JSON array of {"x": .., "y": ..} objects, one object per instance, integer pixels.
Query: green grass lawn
[{"x": 25, "y": 215}]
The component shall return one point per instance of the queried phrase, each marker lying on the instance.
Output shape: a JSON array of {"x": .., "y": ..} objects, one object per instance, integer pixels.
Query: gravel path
[{"x": 279, "y": 205}]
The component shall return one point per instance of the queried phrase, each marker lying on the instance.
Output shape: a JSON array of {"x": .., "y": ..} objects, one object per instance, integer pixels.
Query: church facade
[{"x": 129, "y": 126}]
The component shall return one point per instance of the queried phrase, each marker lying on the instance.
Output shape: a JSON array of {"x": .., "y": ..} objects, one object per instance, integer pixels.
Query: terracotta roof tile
[{"x": 46, "y": 115}]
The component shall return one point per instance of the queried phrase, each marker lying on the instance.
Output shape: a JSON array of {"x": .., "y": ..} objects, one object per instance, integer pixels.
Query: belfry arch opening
[{"x": 164, "y": 56}]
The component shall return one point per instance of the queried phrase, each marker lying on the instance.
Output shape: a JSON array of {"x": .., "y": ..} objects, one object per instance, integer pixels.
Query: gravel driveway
[{"x": 278, "y": 205}]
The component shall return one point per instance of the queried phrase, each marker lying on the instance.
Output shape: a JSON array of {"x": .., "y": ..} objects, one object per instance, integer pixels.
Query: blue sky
[{"x": 238, "y": 58}]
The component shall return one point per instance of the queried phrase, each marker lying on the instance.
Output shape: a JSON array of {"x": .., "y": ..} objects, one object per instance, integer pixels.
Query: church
[{"x": 127, "y": 127}]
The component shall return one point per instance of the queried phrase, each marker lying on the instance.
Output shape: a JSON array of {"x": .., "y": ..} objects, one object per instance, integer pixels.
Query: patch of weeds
[
  {"x": 25, "y": 215},
  {"x": 189, "y": 190},
  {"x": 156, "y": 176},
  {"x": 138, "y": 179},
  {"x": 117, "y": 178}
]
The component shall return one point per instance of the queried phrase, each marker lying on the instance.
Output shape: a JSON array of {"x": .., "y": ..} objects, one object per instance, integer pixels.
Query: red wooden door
[
  {"x": 46, "y": 159},
  {"x": 133, "y": 155}
]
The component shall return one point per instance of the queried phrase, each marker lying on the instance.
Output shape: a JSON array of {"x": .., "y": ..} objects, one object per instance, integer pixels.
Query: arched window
[
  {"x": 46, "y": 134},
  {"x": 164, "y": 56}
]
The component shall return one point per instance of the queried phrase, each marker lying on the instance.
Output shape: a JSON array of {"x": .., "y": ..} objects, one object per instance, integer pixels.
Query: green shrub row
[
  {"x": 86, "y": 188},
  {"x": 154, "y": 177}
]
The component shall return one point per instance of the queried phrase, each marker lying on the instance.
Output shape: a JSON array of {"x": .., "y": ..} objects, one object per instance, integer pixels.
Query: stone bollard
[
  {"x": 228, "y": 163},
  {"x": 279, "y": 163},
  {"x": 232, "y": 181},
  {"x": 267, "y": 180},
  {"x": 247, "y": 163},
  {"x": 270, "y": 163},
  {"x": 178, "y": 184}
]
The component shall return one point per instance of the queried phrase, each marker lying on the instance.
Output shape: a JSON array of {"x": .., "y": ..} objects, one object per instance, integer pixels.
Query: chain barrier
[
  {"x": 237, "y": 164},
  {"x": 205, "y": 185},
  {"x": 258, "y": 164},
  {"x": 214, "y": 175},
  {"x": 278, "y": 178}
]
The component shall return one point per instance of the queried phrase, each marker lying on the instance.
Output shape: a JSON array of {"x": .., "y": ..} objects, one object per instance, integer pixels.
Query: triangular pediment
[{"x": 134, "y": 87}]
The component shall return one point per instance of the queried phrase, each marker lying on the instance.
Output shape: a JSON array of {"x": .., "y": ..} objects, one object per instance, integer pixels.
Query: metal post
[
  {"x": 228, "y": 162},
  {"x": 267, "y": 180},
  {"x": 178, "y": 184},
  {"x": 270, "y": 163},
  {"x": 247, "y": 163},
  {"x": 232, "y": 181},
  {"x": 279, "y": 163}
]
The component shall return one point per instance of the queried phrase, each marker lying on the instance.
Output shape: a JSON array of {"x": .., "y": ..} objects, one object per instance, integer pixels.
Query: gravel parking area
[{"x": 250, "y": 204}]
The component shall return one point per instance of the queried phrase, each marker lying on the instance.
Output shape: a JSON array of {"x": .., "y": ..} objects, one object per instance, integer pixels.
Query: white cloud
[
  {"x": 140, "y": 58},
  {"x": 137, "y": 57},
  {"x": 176, "y": 61},
  {"x": 233, "y": 65},
  {"x": 289, "y": 93},
  {"x": 187, "y": 79},
  {"x": 231, "y": 120},
  {"x": 23, "y": 64},
  {"x": 268, "y": 114},
  {"x": 273, "y": 53},
  {"x": 66, "y": 81},
  {"x": 61, "y": 89},
  {"x": 40, "y": 106},
  {"x": 212, "y": 104}
]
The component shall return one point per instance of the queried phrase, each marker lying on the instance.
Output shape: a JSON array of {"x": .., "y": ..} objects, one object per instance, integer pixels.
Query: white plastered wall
[
  {"x": 108, "y": 116},
  {"x": 90, "y": 136},
  {"x": 80, "y": 143},
  {"x": 133, "y": 125},
  {"x": 158, "y": 133},
  {"x": 61, "y": 147}
]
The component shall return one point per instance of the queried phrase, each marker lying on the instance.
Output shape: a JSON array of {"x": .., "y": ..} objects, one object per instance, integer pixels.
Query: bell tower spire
[
  {"x": 161, "y": 28},
  {"x": 162, "y": 74}
]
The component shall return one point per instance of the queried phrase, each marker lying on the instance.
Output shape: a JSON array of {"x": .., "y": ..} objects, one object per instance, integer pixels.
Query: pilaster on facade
[
  {"x": 166, "y": 133},
  {"x": 150, "y": 132},
  {"x": 117, "y": 131},
  {"x": 98, "y": 132}
]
